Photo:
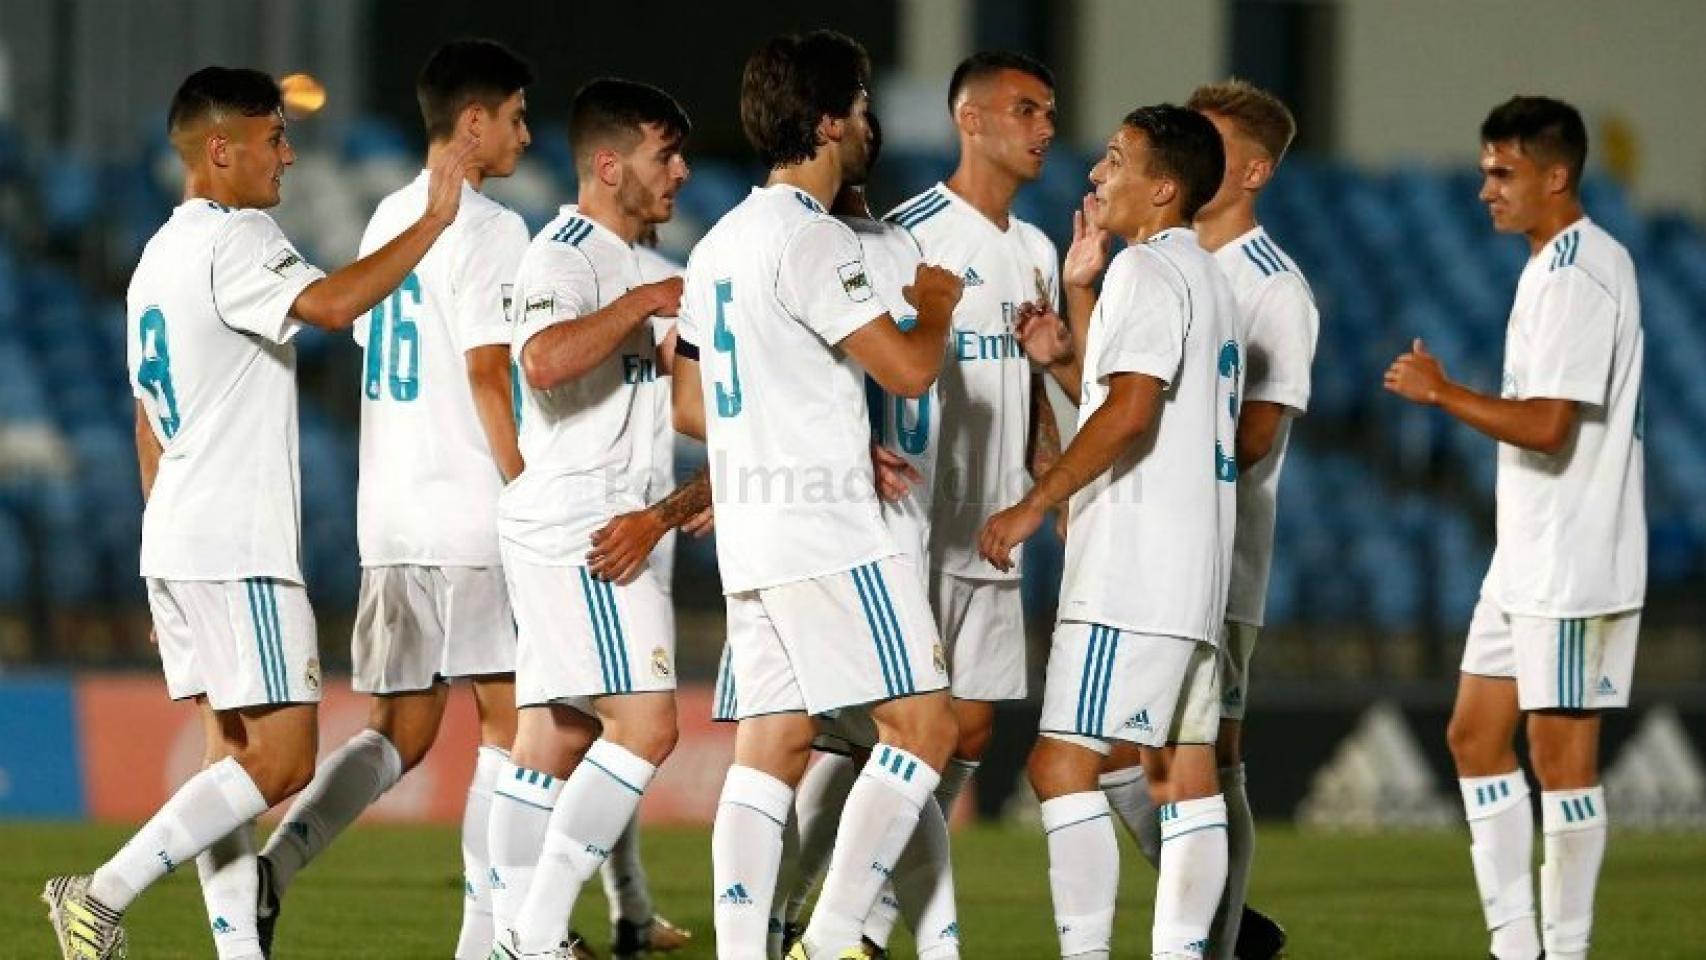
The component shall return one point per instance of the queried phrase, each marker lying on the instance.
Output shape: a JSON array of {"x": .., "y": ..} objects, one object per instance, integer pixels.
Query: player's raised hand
[
  {"x": 620, "y": 548},
  {"x": 934, "y": 284},
  {"x": 1044, "y": 335},
  {"x": 893, "y": 475},
  {"x": 1416, "y": 376},
  {"x": 1006, "y": 530},
  {"x": 1088, "y": 255},
  {"x": 665, "y": 296},
  {"x": 445, "y": 180}
]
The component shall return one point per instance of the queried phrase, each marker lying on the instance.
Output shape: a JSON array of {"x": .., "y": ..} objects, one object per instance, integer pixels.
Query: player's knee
[
  {"x": 1227, "y": 752},
  {"x": 1471, "y": 747},
  {"x": 922, "y": 726},
  {"x": 652, "y": 744},
  {"x": 1055, "y": 768},
  {"x": 973, "y": 739}
]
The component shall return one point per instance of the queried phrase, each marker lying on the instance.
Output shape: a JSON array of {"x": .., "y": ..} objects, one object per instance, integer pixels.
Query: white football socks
[
  {"x": 821, "y": 798},
  {"x": 474, "y": 942},
  {"x": 209, "y": 805},
  {"x": 746, "y": 848},
  {"x": 1240, "y": 853},
  {"x": 1192, "y": 876},
  {"x": 229, "y": 888},
  {"x": 1501, "y": 830},
  {"x": 1574, "y": 822},
  {"x": 625, "y": 886},
  {"x": 351, "y": 778},
  {"x": 880, "y": 818},
  {"x": 1128, "y": 795},
  {"x": 597, "y": 803},
  {"x": 924, "y": 888},
  {"x": 1083, "y": 871},
  {"x": 522, "y": 801}
]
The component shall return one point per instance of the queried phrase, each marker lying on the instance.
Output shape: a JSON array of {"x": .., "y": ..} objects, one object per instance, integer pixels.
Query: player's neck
[
  {"x": 476, "y": 176},
  {"x": 603, "y": 209},
  {"x": 1222, "y": 227},
  {"x": 988, "y": 188},
  {"x": 819, "y": 178},
  {"x": 199, "y": 186},
  {"x": 1552, "y": 224},
  {"x": 1160, "y": 224}
]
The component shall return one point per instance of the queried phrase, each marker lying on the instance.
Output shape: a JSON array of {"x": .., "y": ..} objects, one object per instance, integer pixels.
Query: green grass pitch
[{"x": 393, "y": 892}]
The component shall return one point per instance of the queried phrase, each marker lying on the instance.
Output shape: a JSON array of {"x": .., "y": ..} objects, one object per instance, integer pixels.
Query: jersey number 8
[{"x": 405, "y": 337}]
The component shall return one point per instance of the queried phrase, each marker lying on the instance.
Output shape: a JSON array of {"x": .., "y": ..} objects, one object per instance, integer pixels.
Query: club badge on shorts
[
  {"x": 939, "y": 658},
  {"x": 311, "y": 675},
  {"x": 660, "y": 663}
]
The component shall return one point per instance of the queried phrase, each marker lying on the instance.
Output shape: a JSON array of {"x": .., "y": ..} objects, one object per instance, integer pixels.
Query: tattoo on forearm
[{"x": 686, "y": 501}]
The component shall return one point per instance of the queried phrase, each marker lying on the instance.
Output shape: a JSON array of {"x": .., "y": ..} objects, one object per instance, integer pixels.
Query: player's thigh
[
  {"x": 1584, "y": 663},
  {"x": 1236, "y": 651},
  {"x": 242, "y": 643},
  {"x": 1482, "y": 729},
  {"x": 410, "y": 720},
  {"x": 494, "y": 704},
  {"x": 479, "y": 624},
  {"x": 397, "y": 642},
  {"x": 1563, "y": 747},
  {"x": 860, "y": 636},
  {"x": 986, "y": 651}
]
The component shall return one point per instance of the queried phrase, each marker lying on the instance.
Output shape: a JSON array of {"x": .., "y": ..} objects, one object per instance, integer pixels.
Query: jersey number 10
[{"x": 386, "y": 355}]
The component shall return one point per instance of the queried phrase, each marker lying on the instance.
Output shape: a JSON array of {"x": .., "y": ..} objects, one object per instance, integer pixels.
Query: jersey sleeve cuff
[
  {"x": 1148, "y": 364},
  {"x": 1581, "y": 391},
  {"x": 1285, "y": 394},
  {"x": 843, "y": 326}
]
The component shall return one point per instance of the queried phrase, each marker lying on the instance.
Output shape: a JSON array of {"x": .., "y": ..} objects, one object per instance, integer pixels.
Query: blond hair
[{"x": 1256, "y": 113}]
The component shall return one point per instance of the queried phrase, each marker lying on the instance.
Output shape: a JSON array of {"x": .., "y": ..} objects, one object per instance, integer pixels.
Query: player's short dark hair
[
  {"x": 1256, "y": 113},
  {"x": 612, "y": 112},
  {"x": 793, "y": 81},
  {"x": 211, "y": 90},
  {"x": 463, "y": 72},
  {"x": 1548, "y": 130},
  {"x": 1185, "y": 147},
  {"x": 988, "y": 63}
]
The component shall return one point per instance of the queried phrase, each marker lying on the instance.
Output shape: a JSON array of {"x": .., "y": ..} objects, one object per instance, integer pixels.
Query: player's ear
[
  {"x": 1166, "y": 191},
  {"x": 471, "y": 122},
  {"x": 830, "y": 129},
  {"x": 1558, "y": 178},
  {"x": 1257, "y": 173},
  {"x": 217, "y": 148}
]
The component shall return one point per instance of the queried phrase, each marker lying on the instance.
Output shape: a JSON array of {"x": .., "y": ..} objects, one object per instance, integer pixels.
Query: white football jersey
[
  {"x": 654, "y": 267},
  {"x": 771, "y": 290},
  {"x": 986, "y": 381},
  {"x": 1572, "y": 526},
  {"x": 1150, "y": 544},
  {"x": 428, "y": 490},
  {"x": 1280, "y": 324},
  {"x": 588, "y": 442},
  {"x": 909, "y": 427},
  {"x": 209, "y": 349}
]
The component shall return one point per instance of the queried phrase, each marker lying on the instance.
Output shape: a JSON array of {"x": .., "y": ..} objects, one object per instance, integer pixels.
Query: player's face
[
  {"x": 1124, "y": 188},
  {"x": 256, "y": 152},
  {"x": 1015, "y": 121},
  {"x": 652, "y": 173},
  {"x": 855, "y": 143},
  {"x": 1514, "y": 187},
  {"x": 503, "y": 135}
]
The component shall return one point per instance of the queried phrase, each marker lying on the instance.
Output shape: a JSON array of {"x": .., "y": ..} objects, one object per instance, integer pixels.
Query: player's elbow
[
  {"x": 539, "y": 373},
  {"x": 320, "y": 305},
  {"x": 1553, "y": 439},
  {"x": 912, "y": 380}
]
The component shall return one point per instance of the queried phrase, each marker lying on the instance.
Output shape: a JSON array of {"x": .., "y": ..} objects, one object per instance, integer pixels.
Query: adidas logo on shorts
[
  {"x": 1606, "y": 688},
  {"x": 1140, "y": 722},
  {"x": 221, "y": 926}
]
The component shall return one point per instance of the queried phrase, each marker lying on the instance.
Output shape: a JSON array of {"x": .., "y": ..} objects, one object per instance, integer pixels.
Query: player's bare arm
[
  {"x": 620, "y": 547},
  {"x": 335, "y": 301},
  {"x": 1542, "y": 425},
  {"x": 148, "y": 451},
  {"x": 489, "y": 380},
  {"x": 1258, "y": 426},
  {"x": 1043, "y": 444},
  {"x": 893, "y": 475},
  {"x": 569, "y": 350},
  {"x": 1124, "y": 417},
  {"x": 687, "y": 405},
  {"x": 905, "y": 363}
]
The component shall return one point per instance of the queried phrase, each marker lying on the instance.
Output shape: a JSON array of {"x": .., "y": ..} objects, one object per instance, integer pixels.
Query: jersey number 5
[
  {"x": 154, "y": 373},
  {"x": 405, "y": 338},
  {"x": 723, "y": 339}
]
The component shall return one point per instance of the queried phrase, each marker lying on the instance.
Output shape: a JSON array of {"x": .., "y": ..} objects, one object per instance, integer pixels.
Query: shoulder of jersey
[
  {"x": 1271, "y": 263},
  {"x": 1034, "y": 236},
  {"x": 1586, "y": 247},
  {"x": 572, "y": 231},
  {"x": 925, "y": 208}
]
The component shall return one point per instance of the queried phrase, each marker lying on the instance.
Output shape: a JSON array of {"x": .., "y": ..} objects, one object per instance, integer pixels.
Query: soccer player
[
  {"x": 1003, "y": 108},
  {"x": 1552, "y": 640},
  {"x": 437, "y": 445},
  {"x": 1280, "y": 322},
  {"x": 1151, "y": 475},
  {"x": 595, "y": 669},
  {"x": 904, "y": 431},
  {"x": 212, "y": 310},
  {"x": 780, "y": 325}
]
